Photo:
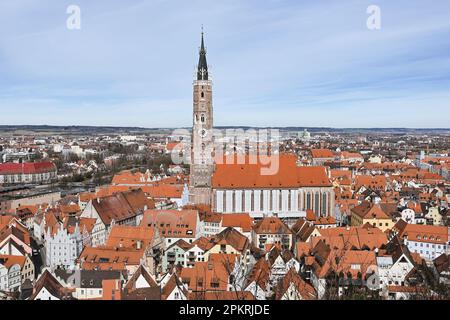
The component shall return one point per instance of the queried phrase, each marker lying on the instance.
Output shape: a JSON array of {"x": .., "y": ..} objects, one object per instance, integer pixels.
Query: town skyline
[{"x": 132, "y": 65}]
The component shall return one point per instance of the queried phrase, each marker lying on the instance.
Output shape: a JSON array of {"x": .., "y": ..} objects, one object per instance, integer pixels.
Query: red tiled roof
[
  {"x": 322, "y": 153},
  {"x": 26, "y": 168},
  {"x": 289, "y": 175},
  {"x": 242, "y": 220}
]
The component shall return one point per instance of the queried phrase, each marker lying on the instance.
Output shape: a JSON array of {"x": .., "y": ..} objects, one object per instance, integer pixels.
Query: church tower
[{"x": 202, "y": 164}]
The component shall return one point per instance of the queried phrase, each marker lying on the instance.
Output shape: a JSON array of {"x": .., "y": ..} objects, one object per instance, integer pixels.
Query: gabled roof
[
  {"x": 276, "y": 252},
  {"x": 18, "y": 232},
  {"x": 238, "y": 220},
  {"x": 423, "y": 233},
  {"x": 304, "y": 289},
  {"x": 271, "y": 225},
  {"x": 250, "y": 176},
  {"x": 172, "y": 223},
  {"x": 397, "y": 249},
  {"x": 372, "y": 182},
  {"x": 322, "y": 153},
  {"x": 364, "y": 237},
  {"x": 212, "y": 275},
  {"x": 303, "y": 229},
  {"x": 141, "y": 271},
  {"x": 129, "y": 236},
  {"x": 159, "y": 191},
  {"x": 112, "y": 258},
  {"x": 231, "y": 237},
  {"x": 48, "y": 281},
  {"x": 182, "y": 244},
  {"x": 9, "y": 260},
  {"x": 26, "y": 168},
  {"x": 171, "y": 284},
  {"x": 121, "y": 206},
  {"x": 260, "y": 273},
  {"x": 442, "y": 263},
  {"x": 367, "y": 210}
]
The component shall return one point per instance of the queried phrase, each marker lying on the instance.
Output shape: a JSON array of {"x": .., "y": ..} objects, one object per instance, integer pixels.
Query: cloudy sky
[{"x": 273, "y": 62}]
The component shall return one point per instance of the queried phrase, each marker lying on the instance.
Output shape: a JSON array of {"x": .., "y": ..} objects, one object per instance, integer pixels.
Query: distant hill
[{"x": 64, "y": 130}]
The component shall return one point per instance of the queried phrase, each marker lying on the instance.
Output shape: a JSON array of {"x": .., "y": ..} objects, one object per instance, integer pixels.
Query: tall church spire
[
  {"x": 202, "y": 147},
  {"x": 202, "y": 68}
]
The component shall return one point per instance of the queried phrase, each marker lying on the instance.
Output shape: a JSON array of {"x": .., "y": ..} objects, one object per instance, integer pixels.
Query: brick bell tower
[{"x": 202, "y": 164}]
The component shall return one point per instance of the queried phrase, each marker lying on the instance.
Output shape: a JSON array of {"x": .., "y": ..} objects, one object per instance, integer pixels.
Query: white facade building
[{"x": 63, "y": 248}]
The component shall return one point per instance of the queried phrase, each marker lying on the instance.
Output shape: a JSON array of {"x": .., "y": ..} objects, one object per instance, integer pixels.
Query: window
[
  {"x": 203, "y": 95},
  {"x": 308, "y": 201},
  {"x": 270, "y": 200},
  {"x": 317, "y": 204},
  {"x": 261, "y": 200},
  {"x": 252, "y": 200},
  {"x": 202, "y": 118},
  {"x": 289, "y": 200},
  {"x": 324, "y": 204}
]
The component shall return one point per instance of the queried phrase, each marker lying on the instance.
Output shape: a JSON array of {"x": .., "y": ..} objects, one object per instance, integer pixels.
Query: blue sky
[{"x": 273, "y": 62}]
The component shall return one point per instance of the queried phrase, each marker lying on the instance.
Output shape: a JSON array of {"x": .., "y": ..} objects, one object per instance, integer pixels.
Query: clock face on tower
[{"x": 203, "y": 133}]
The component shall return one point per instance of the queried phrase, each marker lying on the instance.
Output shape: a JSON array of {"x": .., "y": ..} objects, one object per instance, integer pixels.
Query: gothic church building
[{"x": 234, "y": 188}]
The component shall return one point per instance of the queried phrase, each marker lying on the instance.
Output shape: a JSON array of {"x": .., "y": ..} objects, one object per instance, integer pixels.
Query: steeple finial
[{"x": 202, "y": 68}]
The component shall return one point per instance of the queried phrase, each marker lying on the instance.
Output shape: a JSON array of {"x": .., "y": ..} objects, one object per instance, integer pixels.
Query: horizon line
[{"x": 223, "y": 126}]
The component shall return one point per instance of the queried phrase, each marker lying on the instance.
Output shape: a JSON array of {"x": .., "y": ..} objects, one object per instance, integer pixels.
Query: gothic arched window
[
  {"x": 233, "y": 201},
  {"x": 261, "y": 200},
  {"x": 280, "y": 201},
  {"x": 308, "y": 200},
  {"x": 324, "y": 204},
  {"x": 317, "y": 204},
  {"x": 203, "y": 95},
  {"x": 289, "y": 200},
  {"x": 270, "y": 200},
  {"x": 202, "y": 118},
  {"x": 252, "y": 200}
]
